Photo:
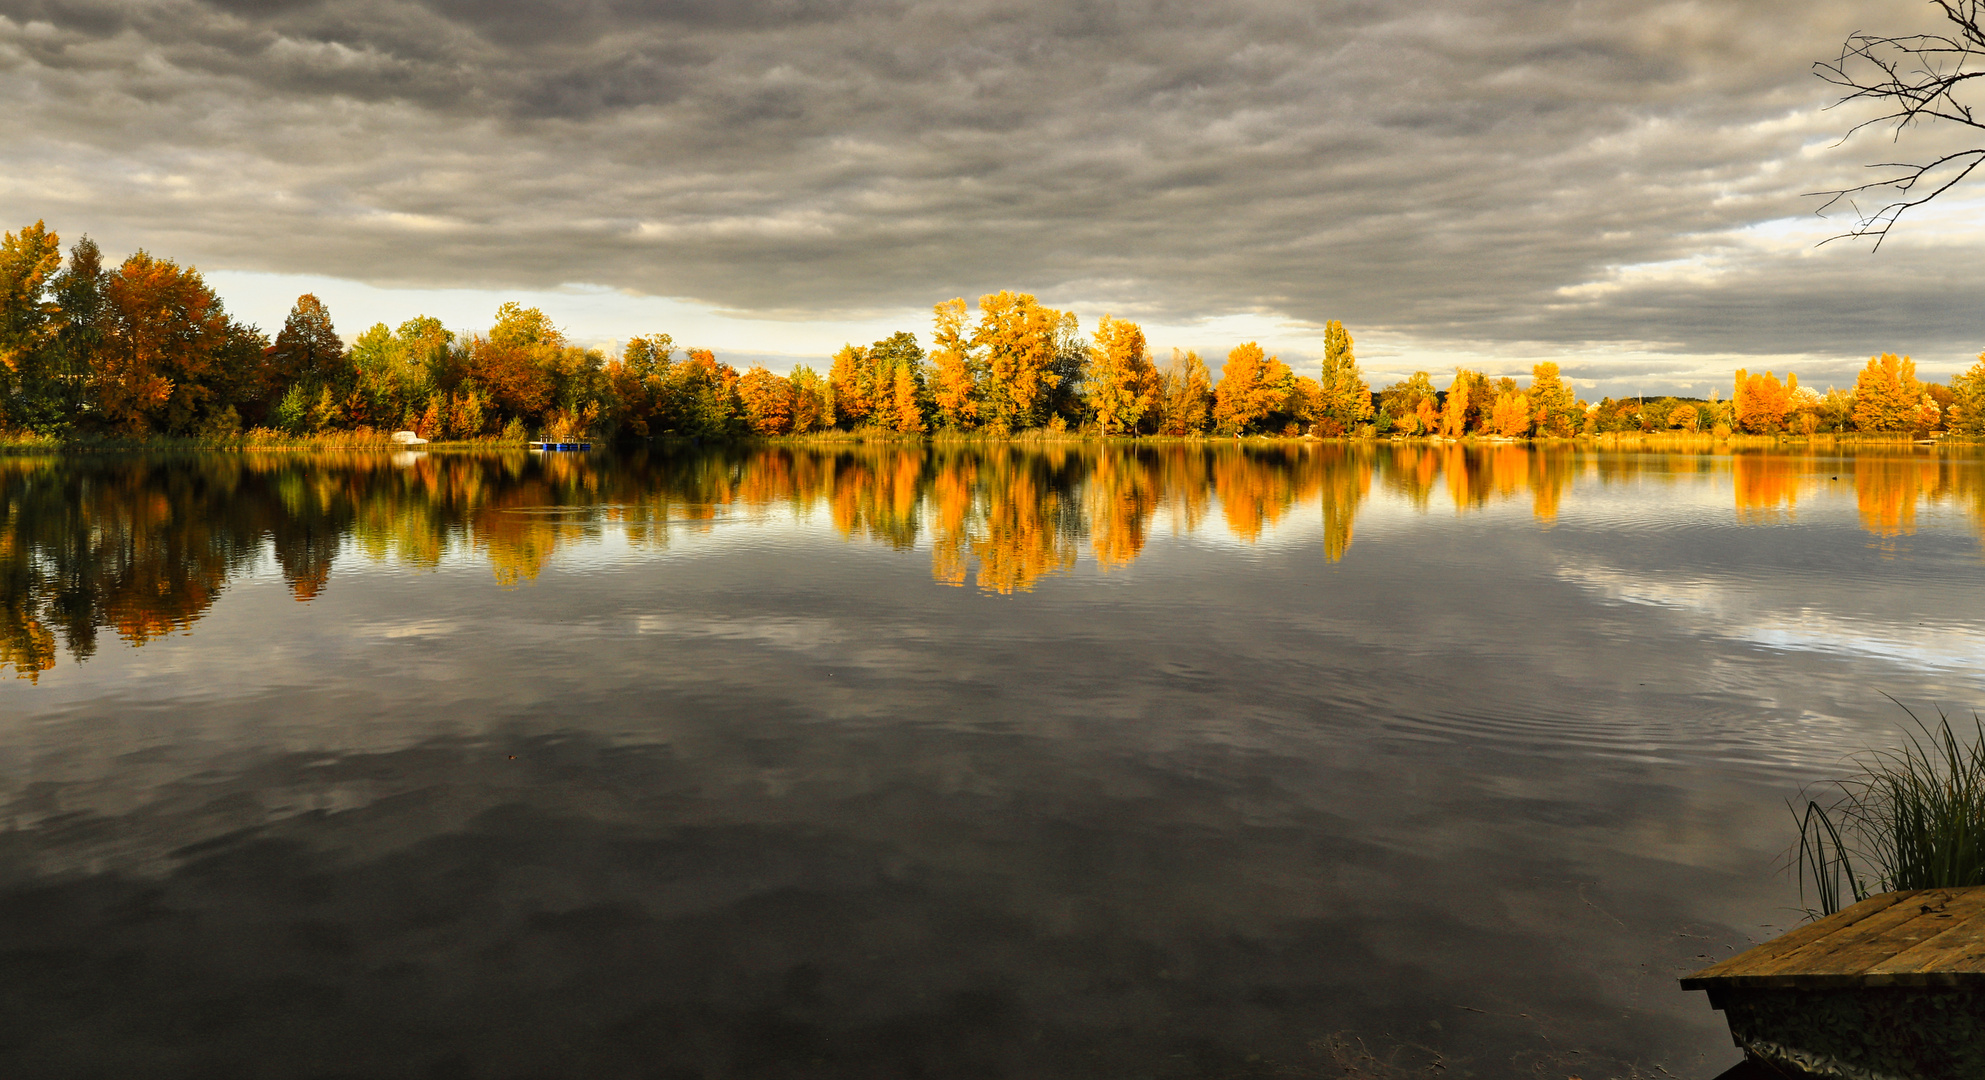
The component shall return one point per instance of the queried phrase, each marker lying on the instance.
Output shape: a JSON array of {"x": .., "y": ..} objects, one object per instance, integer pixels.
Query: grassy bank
[{"x": 258, "y": 439}]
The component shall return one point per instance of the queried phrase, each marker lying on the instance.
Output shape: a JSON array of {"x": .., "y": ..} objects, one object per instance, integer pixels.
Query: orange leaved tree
[{"x": 164, "y": 335}]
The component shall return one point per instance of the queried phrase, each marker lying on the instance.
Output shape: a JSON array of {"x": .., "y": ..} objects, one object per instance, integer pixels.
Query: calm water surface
[{"x": 888, "y": 763}]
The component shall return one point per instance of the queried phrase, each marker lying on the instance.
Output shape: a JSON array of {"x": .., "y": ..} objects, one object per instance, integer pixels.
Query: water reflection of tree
[
  {"x": 1887, "y": 489},
  {"x": 1014, "y": 513},
  {"x": 1411, "y": 471},
  {"x": 1257, "y": 488},
  {"x": 1551, "y": 475},
  {"x": 1344, "y": 479},
  {"x": 134, "y": 546},
  {"x": 1122, "y": 496},
  {"x": 876, "y": 494},
  {"x": 1766, "y": 486},
  {"x": 144, "y": 547}
]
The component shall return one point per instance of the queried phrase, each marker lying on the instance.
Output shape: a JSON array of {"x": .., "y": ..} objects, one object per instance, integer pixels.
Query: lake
[{"x": 954, "y": 762}]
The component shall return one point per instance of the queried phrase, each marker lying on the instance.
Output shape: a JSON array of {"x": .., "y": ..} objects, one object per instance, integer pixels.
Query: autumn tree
[
  {"x": 29, "y": 320},
  {"x": 1412, "y": 405},
  {"x": 514, "y": 364},
  {"x": 1254, "y": 387},
  {"x": 1460, "y": 412},
  {"x": 897, "y": 373},
  {"x": 1555, "y": 405},
  {"x": 1068, "y": 374},
  {"x": 1967, "y": 409},
  {"x": 165, "y": 334},
  {"x": 810, "y": 400},
  {"x": 1887, "y": 396},
  {"x": 1511, "y": 414},
  {"x": 1019, "y": 340},
  {"x": 954, "y": 369},
  {"x": 394, "y": 372},
  {"x": 907, "y": 401},
  {"x": 1186, "y": 390},
  {"x": 640, "y": 385},
  {"x": 853, "y": 378},
  {"x": 1346, "y": 399},
  {"x": 1759, "y": 402},
  {"x": 308, "y": 349},
  {"x": 767, "y": 401},
  {"x": 706, "y": 393},
  {"x": 1123, "y": 385}
]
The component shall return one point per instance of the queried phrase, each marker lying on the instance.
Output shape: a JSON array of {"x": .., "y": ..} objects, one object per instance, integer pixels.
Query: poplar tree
[
  {"x": 1456, "y": 413},
  {"x": 1346, "y": 397},
  {"x": 854, "y": 392},
  {"x": 909, "y": 410},
  {"x": 954, "y": 380}
]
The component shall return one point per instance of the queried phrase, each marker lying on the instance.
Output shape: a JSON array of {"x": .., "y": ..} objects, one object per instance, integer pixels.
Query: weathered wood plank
[
  {"x": 1745, "y": 962},
  {"x": 1896, "y": 928},
  {"x": 1959, "y": 949},
  {"x": 1926, "y": 937}
]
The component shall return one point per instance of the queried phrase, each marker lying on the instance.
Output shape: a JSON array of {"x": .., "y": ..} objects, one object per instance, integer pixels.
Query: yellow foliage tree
[
  {"x": 954, "y": 386},
  {"x": 854, "y": 389},
  {"x": 1887, "y": 396},
  {"x": 1253, "y": 386},
  {"x": 1018, "y": 338},
  {"x": 1123, "y": 385},
  {"x": 1344, "y": 399},
  {"x": 1760, "y": 402},
  {"x": 1556, "y": 405},
  {"x": 1454, "y": 415},
  {"x": 908, "y": 407},
  {"x": 1967, "y": 411},
  {"x": 1511, "y": 416},
  {"x": 1187, "y": 395}
]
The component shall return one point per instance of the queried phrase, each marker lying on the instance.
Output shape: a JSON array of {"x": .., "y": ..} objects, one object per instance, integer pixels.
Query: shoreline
[{"x": 32, "y": 445}]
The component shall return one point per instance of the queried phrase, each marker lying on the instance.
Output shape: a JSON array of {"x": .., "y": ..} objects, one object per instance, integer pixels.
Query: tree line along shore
[{"x": 146, "y": 352}]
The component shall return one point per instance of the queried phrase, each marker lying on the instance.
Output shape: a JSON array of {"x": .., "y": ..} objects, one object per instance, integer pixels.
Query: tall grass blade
[{"x": 1913, "y": 816}]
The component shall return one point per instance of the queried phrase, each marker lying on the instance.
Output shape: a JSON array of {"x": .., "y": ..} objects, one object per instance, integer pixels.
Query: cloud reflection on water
[{"x": 735, "y": 763}]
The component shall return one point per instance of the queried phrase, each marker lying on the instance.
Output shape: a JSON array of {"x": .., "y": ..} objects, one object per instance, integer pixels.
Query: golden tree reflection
[
  {"x": 1887, "y": 490},
  {"x": 1344, "y": 478},
  {"x": 1766, "y": 486},
  {"x": 1122, "y": 496},
  {"x": 1257, "y": 489},
  {"x": 144, "y": 547}
]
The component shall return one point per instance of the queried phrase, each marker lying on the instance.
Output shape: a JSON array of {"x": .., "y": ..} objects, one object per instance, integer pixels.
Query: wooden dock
[{"x": 1892, "y": 988}]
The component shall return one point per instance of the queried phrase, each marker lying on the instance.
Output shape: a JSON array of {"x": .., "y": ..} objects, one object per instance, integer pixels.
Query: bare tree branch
[{"x": 1917, "y": 78}]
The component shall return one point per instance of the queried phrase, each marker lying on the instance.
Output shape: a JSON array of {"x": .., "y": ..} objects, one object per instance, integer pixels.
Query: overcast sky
[{"x": 1618, "y": 185}]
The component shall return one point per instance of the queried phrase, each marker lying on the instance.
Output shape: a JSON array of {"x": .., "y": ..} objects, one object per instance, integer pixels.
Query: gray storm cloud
[{"x": 1490, "y": 171}]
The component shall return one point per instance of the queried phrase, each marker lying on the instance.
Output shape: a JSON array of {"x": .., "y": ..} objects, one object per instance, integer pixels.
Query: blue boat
[{"x": 561, "y": 446}]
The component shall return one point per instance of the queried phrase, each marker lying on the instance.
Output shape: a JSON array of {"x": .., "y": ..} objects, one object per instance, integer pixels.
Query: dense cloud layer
[{"x": 1487, "y": 173}]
